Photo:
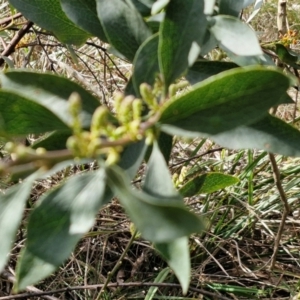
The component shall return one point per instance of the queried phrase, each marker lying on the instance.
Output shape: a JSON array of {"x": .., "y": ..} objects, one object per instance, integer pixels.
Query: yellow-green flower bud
[
  {"x": 75, "y": 104},
  {"x": 137, "y": 107},
  {"x": 118, "y": 98},
  {"x": 93, "y": 146},
  {"x": 182, "y": 175},
  {"x": 149, "y": 137},
  {"x": 40, "y": 151},
  {"x": 99, "y": 120},
  {"x": 172, "y": 90},
  {"x": 112, "y": 157},
  {"x": 72, "y": 144},
  {"x": 75, "y": 109},
  {"x": 147, "y": 94},
  {"x": 21, "y": 152},
  {"x": 119, "y": 132},
  {"x": 175, "y": 177},
  {"x": 134, "y": 127},
  {"x": 10, "y": 147},
  {"x": 125, "y": 111}
]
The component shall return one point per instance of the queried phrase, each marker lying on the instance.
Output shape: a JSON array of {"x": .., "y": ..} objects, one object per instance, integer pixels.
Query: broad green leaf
[
  {"x": 233, "y": 7},
  {"x": 177, "y": 255},
  {"x": 159, "y": 278},
  {"x": 21, "y": 116},
  {"x": 158, "y": 182},
  {"x": 144, "y": 6},
  {"x": 159, "y": 219},
  {"x": 129, "y": 89},
  {"x": 227, "y": 100},
  {"x": 124, "y": 27},
  {"x": 12, "y": 204},
  {"x": 49, "y": 15},
  {"x": 145, "y": 63},
  {"x": 55, "y": 226},
  {"x": 132, "y": 157},
  {"x": 243, "y": 61},
  {"x": 84, "y": 14},
  {"x": 55, "y": 140},
  {"x": 31, "y": 269},
  {"x": 180, "y": 37},
  {"x": 270, "y": 134},
  {"x": 202, "y": 69},
  {"x": 51, "y": 91},
  {"x": 235, "y": 36},
  {"x": 165, "y": 142},
  {"x": 64, "y": 215},
  {"x": 207, "y": 183},
  {"x": 286, "y": 55},
  {"x": 209, "y": 42}
]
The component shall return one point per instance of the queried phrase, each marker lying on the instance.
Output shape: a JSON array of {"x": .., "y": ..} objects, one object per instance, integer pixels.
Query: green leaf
[
  {"x": 202, "y": 69},
  {"x": 207, "y": 183},
  {"x": 158, "y": 219},
  {"x": 286, "y": 55},
  {"x": 225, "y": 101},
  {"x": 180, "y": 37},
  {"x": 11, "y": 210},
  {"x": 233, "y": 7},
  {"x": 84, "y": 14},
  {"x": 159, "y": 278},
  {"x": 158, "y": 182},
  {"x": 55, "y": 140},
  {"x": 51, "y": 91},
  {"x": 49, "y": 15},
  {"x": 21, "y": 116},
  {"x": 209, "y": 42},
  {"x": 165, "y": 142},
  {"x": 132, "y": 157},
  {"x": 31, "y": 269},
  {"x": 145, "y": 63},
  {"x": 144, "y": 6},
  {"x": 124, "y": 27},
  {"x": 55, "y": 226},
  {"x": 177, "y": 255},
  {"x": 243, "y": 61},
  {"x": 270, "y": 134},
  {"x": 236, "y": 36}
]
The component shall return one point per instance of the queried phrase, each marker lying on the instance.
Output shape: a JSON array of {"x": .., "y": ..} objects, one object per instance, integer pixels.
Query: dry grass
[{"x": 231, "y": 259}]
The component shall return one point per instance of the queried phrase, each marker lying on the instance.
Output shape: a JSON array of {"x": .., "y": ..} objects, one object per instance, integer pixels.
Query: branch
[
  {"x": 286, "y": 209},
  {"x": 16, "y": 39},
  {"x": 31, "y": 289},
  {"x": 282, "y": 24},
  {"x": 8, "y": 20}
]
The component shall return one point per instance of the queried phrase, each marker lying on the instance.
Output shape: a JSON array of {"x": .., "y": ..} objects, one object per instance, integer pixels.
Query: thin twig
[
  {"x": 286, "y": 209},
  {"x": 8, "y": 20},
  {"x": 16, "y": 39},
  {"x": 117, "y": 266},
  {"x": 196, "y": 156},
  {"x": 30, "y": 289}
]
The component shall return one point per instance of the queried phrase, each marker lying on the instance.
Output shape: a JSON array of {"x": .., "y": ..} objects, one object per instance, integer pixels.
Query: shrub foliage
[{"x": 174, "y": 89}]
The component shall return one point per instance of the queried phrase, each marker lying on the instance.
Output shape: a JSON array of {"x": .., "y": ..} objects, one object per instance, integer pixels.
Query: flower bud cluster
[
  {"x": 107, "y": 134},
  {"x": 290, "y": 38},
  {"x": 179, "y": 179}
]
